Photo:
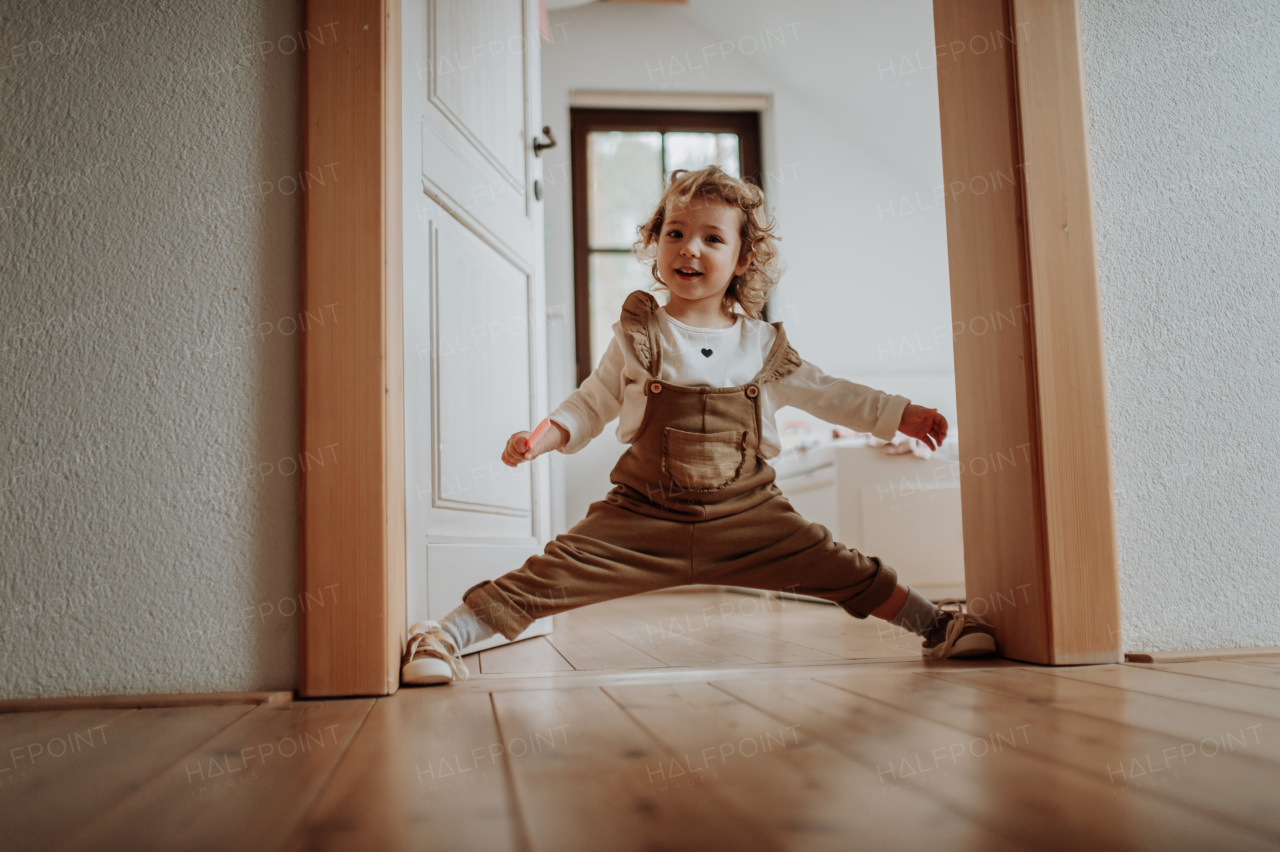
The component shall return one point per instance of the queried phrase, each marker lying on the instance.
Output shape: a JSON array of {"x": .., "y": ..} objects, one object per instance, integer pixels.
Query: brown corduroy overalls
[{"x": 692, "y": 503}]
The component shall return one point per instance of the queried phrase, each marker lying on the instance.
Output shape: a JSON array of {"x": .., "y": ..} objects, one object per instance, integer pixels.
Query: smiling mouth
[{"x": 688, "y": 273}]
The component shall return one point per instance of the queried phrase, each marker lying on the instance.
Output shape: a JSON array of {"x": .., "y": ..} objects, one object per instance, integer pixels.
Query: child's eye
[
  {"x": 673, "y": 233},
  {"x": 714, "y": 237}
]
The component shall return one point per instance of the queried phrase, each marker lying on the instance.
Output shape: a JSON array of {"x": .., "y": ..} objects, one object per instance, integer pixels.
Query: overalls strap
[{"x": 640, "y": 324}]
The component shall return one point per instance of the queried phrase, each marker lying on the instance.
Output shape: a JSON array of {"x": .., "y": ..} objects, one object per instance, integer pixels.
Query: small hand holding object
[
  {"x": 526, "y": 446},
  {"x": 924, "y": 424}
]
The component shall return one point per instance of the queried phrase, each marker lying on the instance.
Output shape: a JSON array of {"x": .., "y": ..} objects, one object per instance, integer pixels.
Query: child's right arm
[
  {"x": 519, "y": 449},
  {"x": 580, "y": 417}
]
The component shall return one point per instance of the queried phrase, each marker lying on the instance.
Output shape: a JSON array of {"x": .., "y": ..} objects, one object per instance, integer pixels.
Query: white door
[{"x": 475, "y": 341}]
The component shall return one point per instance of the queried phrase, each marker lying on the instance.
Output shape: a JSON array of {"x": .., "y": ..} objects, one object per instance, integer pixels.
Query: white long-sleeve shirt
[{"x": 718, "y": 358}]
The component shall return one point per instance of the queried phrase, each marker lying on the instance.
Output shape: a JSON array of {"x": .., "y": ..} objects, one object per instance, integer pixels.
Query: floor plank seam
[
  {"x": 1164, "y": 667},
  {"x": 711, "y": 670},
  {"x": 627, "y": 641},
  {"x": 613, "y": 632},
  {"x": 673, "y": 754},
  {"x": 561, "y": 654},
  {"x": 1136, "y": 725},
  {"x": 1159, "y": 695},
  {"x": 304, "y": 815},
  {"x": 524, "y": 839}
]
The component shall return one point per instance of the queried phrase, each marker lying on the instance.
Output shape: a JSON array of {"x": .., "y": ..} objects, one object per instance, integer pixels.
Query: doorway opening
[{"x": 1040, "y": 533}]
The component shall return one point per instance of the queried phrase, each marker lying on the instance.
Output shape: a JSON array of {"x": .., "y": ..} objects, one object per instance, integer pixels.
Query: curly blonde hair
[{"x": 750, "y": 291}]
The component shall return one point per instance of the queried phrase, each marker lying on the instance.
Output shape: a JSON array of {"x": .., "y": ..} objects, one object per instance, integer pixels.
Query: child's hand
[
  {"x": 924, "y": 424},
  {"x": 518, "y": 450}
]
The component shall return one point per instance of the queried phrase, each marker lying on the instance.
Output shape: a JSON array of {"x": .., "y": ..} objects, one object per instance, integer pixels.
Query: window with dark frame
[{"x": 621, "y": 161}]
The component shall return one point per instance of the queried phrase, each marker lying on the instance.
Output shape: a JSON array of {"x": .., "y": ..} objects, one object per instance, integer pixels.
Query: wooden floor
[{"x": 700, "y": 721}]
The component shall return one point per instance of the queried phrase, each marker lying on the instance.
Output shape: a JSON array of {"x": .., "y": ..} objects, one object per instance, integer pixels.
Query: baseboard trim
[
  {"x": 1207, "y": 654},
  {"x": 110, "y": 702}
]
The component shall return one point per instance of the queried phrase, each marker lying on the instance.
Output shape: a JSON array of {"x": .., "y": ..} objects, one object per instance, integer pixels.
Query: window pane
[
  {"x": 625, "y": 173},
  {"x": 697, "y": 150},
  {"x": 728, "y": 157},
  {"x": 613, "y": 276}
]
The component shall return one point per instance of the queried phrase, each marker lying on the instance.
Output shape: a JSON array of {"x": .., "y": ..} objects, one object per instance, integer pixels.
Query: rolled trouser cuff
[
  {"x": 496, "y": 609},
  {"x": 875, "y": 595}
]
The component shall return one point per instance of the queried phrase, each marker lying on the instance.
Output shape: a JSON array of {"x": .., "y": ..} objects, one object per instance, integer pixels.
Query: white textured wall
[
  {"x": 1184, "y": 115},
  {"x": 148, "y": 346}
]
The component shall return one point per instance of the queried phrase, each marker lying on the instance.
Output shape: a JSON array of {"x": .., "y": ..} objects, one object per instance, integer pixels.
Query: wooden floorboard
[
  {"x": 1230, "y": 670},
  {"x": 804, "y": 793},
  {"x": 1232, "y": 784},
  {"x": 427, "y": 771},
  {"x": 39, "y": 751},
  {"x": 30, "y": 733},
  {"x": 714, "y": 628},
  {"x": 589, "y": 785},
  {"x": 1184, "y": 720},
  {"x": 645, "y": 631},
  {"x": 77, "y": 763},
  {"x": 684, "y": 674},
  {"x": 767, "y": 649},
  {"x": 245, "y": 788},
  {"x": 829, "y": 629},
  {"x": 1140, "y": 678},
  {"x": 704, "y": 720},
  {"x": 709, "y": 625},
  {"x": 1010, "y": 791},
  {"x": 589, "y": 648},
  {"x": 1268, "y": 662},
  {"x": 701, "y": 627},
  {"x": 735, "y": 623},
  {"x": 534, "y": 654}
]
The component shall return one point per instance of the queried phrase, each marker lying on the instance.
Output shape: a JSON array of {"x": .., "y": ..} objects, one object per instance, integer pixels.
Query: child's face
[{"x": 698, "y": 250}]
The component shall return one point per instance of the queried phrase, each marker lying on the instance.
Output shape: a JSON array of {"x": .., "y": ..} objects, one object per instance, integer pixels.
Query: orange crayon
[{"x": 537, "y": 433}]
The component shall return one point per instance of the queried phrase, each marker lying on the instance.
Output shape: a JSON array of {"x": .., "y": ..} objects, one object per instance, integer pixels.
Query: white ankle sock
[
  {"x": 918, "y": 614},
  {"x": 464, "y": 627}
]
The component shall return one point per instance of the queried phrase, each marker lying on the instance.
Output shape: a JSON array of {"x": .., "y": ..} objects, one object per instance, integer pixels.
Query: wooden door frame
[
  {"x": 353, "y": 507},
  {"x": 1036, "y": 488},
  {"x": 1039, "y": 530}
]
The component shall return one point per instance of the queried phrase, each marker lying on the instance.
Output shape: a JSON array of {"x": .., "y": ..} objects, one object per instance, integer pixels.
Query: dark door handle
[{"x": 539, "y": 146}]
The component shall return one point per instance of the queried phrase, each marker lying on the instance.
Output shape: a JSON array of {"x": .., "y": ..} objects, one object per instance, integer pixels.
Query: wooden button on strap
[
  {"x": 656, "y": 387},
  {"x": 753, "y": 391}
]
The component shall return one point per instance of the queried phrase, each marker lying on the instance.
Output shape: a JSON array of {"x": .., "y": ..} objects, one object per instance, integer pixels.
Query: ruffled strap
[
  {"x": 781, "y": 361},
  {"x": 640, "y": 325}
]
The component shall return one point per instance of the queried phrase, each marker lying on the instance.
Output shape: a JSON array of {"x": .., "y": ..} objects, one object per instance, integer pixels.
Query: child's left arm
[
  {"x": 924, "y": 424},
  {"x": 859, "y": 407}
]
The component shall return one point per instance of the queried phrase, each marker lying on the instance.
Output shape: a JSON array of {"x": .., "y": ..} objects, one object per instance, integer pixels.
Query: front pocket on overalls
[{"x": 700, "y": 461}]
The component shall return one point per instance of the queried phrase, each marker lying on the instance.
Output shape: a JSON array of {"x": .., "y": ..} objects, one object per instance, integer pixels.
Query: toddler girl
[{"x": 696, "y": 384}]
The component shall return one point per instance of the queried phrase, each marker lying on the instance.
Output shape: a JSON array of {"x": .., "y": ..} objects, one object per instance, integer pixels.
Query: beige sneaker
[
  {"x": 959, "y": 634},
  {"x": 431, "y": 657}
]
